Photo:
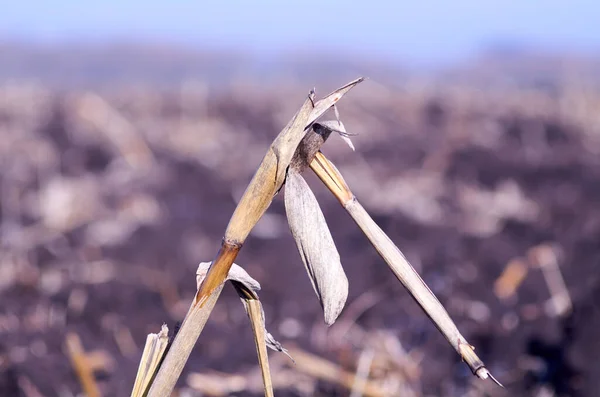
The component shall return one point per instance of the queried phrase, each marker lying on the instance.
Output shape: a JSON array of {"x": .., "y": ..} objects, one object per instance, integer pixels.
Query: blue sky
[{"x": 411, "y": 31}]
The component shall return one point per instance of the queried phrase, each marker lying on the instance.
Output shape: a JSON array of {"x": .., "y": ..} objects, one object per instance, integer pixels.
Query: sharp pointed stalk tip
[{"x": 483, "y": 373}]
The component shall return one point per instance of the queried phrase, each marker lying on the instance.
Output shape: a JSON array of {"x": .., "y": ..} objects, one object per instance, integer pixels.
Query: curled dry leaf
[
  {"x": 345, "y": 136},
  {"x": 247, "y": 288},
  {"x": 236, "y": 273},
  {"x": 315, "y": 244},
  {"x": 338, "y": 127}
]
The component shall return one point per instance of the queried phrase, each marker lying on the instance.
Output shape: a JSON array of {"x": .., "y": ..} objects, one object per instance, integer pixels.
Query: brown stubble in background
[{"x": 81, "y": 271}]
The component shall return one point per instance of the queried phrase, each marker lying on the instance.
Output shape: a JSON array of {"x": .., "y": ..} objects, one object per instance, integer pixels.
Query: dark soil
[{"x": 150, "y": 268}]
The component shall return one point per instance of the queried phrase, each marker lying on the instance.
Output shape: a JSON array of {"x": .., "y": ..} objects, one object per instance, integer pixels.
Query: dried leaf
[
  {"x": 331, "y": 99},
  {"x": 336, "y": 111},
  {"x": 338, "y": 127},
  {"x": 276, "y": 345},
  {"x": 236, "y": 273},
  {"x": 316, "y": 246},
  {"x": 270, "y": 341},
  {"x": 348, "y": 142},
  {"x": 247, "y": 288}
]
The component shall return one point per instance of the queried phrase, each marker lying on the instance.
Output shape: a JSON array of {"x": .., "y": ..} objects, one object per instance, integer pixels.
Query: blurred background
[{"x": 129, "y": 130}]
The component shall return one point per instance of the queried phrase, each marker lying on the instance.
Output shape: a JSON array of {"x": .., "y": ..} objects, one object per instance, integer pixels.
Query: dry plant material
[
  {"x": 154, "y": 350},
  {"x": 511, "y": 278},
  {"x": 125, "y": 342},
  {"x": 362, "y": 372},
  {"x": 117, "y": 128},
  {"x": 320, "y": 368},
  {"x": 217, "y": 384},
  {"x": 292, "y": 151},
  {"x": 316, "y": 246},
  {"x": 100, "y": 360},
  {"x": 338, "y": 127},
  {"x": 267, "y": 181},
  {"x": 81, "y": 365},
  {"x": 247, "y": 289},
  {"x": 255, "y": 313},
  {"x": 28, "y": 388},
  {"x": 399, "y": 265},
  {"x": 544, "y": 256},
  {"x": 309, "y": 228}
]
